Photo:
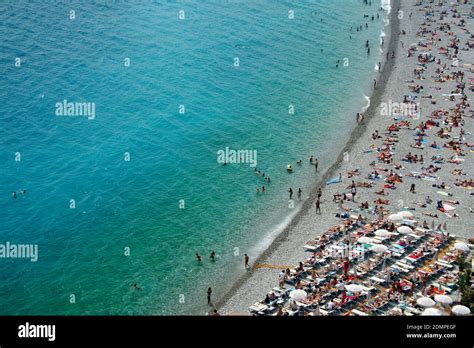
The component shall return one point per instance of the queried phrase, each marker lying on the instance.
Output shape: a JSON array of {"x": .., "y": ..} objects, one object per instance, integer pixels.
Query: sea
[{"x": 112, "y": 118}]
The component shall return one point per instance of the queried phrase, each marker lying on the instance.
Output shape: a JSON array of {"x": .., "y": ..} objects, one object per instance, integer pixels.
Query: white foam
[
  {"x": 271, "y": 235},
  {"x": 382, "y": 36},
  {"x": 385, "y": 4},
  {"x": 364, "y": 109}
]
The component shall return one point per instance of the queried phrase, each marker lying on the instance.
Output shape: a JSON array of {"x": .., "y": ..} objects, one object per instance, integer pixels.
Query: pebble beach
[{"x": 428, "y": 149}]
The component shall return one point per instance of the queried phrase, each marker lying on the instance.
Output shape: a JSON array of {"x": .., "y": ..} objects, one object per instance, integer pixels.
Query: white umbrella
[
  {"x": 448, "y": 207},
  {"x": 379, "y": 248},
  {"x": 405, "y": 214},
  {"x": 432, "y": 311},
  {"x": 298, "y": 295},
  {"x": 444, "y": 299},
  {"x": 425, "y": 302},
  {"x": 461, "y": 310},
  {"x": 395, "y": 217},
  {"x": 382, "y": 233},
  {"x": 404, "y": 230},
  {"x": 354, "y": 288},
  {"x": 461, "y": 246},
  {"x": 365, "y": 240}
]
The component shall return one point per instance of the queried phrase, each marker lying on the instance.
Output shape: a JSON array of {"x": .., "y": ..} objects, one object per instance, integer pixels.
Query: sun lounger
[
  {"x": 377, "y": 280},
  {"x": 358, "y": 312},
  {"x": 258, "y": 307}
]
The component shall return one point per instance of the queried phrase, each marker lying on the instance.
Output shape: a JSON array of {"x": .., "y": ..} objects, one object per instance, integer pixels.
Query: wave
[
  {"x": 385, "y": 4},
  {"x": 364, "y": 109}
]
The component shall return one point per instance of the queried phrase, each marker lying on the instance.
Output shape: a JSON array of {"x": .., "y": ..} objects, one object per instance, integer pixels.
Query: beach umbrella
[
  {"x": 432, "y": 311},
  {"x": 460, "y": 310},
  {"x": 354, "y": 288},
  {"x": 365, "y": 240},
  {"x": 461, "y": 246},
  {"x": 395, "y": 217},
  {"x": 444, "y": 299},
  {"x": 425, "y": 302},
  {"x": 405, "y": 214},
  {"x": 298, "y": 295},
  {"x": 379, "y": 248},
  {"x": 448, "y": 207},
  {"x": 404, "y": 230},
  {"x": 382, "y": 233}
]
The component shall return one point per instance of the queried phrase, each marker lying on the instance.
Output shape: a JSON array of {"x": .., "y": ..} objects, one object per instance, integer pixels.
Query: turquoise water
[{"x": 173, "y": 156}]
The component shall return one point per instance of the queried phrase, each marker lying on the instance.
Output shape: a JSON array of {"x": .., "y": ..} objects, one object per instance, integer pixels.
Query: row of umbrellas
[{"x": 427, "y": 302}]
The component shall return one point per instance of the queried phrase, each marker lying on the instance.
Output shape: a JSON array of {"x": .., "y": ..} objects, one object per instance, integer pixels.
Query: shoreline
[{"x": 360, "y": 130}]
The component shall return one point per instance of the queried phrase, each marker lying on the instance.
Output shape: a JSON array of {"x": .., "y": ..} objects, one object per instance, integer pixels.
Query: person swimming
[
  {"x": 198, "y": 257},
  {"x": 213, "y": 256}
]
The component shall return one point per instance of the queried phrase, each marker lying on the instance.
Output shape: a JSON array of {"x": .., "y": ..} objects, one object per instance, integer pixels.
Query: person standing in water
[
  {"x": 246, "y": 261},
  {"x": 316, "y": 163},
  {"x": 198, "y": 257},
  {"x": 300, "y": 191},
  {"x": 291, "y": 192},
  {"x": 209, "y": 293},
  {"x": 213, "y": 256}
]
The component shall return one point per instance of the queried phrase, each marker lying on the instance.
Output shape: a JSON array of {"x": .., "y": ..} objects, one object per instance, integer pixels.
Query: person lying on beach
[{"x": 382, "y": 201}]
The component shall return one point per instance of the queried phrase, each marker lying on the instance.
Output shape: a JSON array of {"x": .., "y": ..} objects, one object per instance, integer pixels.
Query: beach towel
[{"x": 333, "y": 181}]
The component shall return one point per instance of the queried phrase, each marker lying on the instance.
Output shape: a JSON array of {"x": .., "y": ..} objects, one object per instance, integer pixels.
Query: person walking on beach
[
  {"x": 346, "y": 266},
  {"x": 316, "y": 164},
  {"x": 340, "y": 177},
  {"x": 291, "y": 192},
  {"x": 281, "y": 279},
  {"x": 375, "y": 83},
  {"x": 300, "y": 191},
  {"x": 246, "y": 260},
  {"x": 209, "y": 293},
  {"x": 320, "y": 193},
  {"x": 318, "y": 206},
  {"x": 412, "y": 188},
  {"x": 353, "y": 191}
]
